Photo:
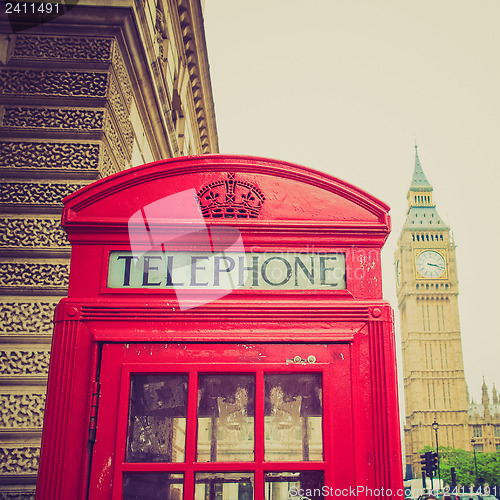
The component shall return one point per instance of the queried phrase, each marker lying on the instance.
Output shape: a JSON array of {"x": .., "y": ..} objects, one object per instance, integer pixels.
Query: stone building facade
[
  {"x": 435, "y": 389},
  {"x": 484, "y": 422},
  {"x": 101, "y": 88}
]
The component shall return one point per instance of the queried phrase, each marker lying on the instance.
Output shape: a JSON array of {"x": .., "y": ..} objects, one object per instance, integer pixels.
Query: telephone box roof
[{"x": 293, "y": 194}]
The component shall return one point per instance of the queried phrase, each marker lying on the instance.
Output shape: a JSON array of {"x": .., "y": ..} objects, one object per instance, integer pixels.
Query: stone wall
[{"x": 93, "y": 92}]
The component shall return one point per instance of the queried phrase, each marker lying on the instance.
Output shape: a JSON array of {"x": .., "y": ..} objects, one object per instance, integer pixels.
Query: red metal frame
[
  {"x": 116, "y": 373},
  {"x": 304, "y": 211}
]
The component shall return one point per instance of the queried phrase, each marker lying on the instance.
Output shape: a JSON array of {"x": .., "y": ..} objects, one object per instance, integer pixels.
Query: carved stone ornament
[
  {"x": 19, "y": 460},
  {"x": 24, "y": 362},
  {"x": 54, "y": 83},
  {"x": 122, "y": 77},
  {"x": 17, "y": 495},
  {"x": 58, "y": 118},
  {"x": 37, "y": 194},
  {"x": 115, "y": 143},
  {"x": 46, "y": 47},
  {"x": 28, "y": 275},
  {"x": 230, "y": 198},
  {"x": 26, "y": 317},
  {"x": 44, "y": 233},
  {"x": 21, "y": 410},
  {"x": 107, "y": 165},
  {"x": 122, "y": 116},
  {"x": 49, "y": 155},
  {"x": 161, "y": 35}
]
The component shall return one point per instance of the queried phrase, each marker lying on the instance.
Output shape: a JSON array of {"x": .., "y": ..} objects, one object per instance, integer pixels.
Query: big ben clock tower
[{"x": 427, "y": 290}]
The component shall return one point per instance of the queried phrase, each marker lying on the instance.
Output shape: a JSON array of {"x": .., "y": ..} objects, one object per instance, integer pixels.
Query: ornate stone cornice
[{"x": 193, "y": 35}]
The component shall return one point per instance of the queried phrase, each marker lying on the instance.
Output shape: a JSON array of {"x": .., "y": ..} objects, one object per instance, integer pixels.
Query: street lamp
[
  {"x": 435, "y": 426},
  {"x": 472, "y": 441}
]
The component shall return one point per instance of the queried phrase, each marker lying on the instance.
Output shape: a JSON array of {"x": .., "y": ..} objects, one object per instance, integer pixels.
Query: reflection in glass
[
  {"x": 226, "y": 418},
  {"x": 224, "y": 486},
  {"x": 297, "y": 485},
  {"x": 153, "y": 486},
  {"x": 157, "y": 418},
  {"x": 293, "y": 417}
]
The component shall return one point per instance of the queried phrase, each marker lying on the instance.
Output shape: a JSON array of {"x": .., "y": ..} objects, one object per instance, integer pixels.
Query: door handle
[{"x": 298, "y": 359}]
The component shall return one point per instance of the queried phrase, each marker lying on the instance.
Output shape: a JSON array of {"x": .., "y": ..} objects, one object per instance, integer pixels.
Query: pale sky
[{"x": 347, "y": 86}]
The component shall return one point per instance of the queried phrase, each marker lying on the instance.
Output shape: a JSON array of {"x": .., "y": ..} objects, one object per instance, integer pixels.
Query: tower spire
[
  {"x": 485, "y": 400},
  {"x": 419, "y": 181},
  {"x": 421, "y": 208},
  {"x": 495, "y": 395}
]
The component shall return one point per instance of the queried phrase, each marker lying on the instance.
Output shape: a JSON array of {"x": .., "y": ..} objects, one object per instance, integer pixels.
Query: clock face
[{"x": 431, "y": 264}]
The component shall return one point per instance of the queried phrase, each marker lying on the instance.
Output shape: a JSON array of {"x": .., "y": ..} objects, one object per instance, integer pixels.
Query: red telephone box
[{"x": 224, "y": 337}]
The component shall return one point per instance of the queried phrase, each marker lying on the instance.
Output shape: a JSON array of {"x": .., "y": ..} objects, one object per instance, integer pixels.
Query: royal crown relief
[{"x": 230, "y": 198}]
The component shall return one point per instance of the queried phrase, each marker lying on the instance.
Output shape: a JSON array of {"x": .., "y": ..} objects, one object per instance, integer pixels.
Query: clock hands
[{"x": 435, "y": 265}]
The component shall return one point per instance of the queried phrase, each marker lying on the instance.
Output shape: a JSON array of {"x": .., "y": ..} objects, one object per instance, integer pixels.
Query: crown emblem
[{"x": 230, "y": 199}]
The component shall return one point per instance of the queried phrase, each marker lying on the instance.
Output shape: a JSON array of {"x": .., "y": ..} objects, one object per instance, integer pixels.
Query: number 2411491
[{"x": 31, "y": 8}]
